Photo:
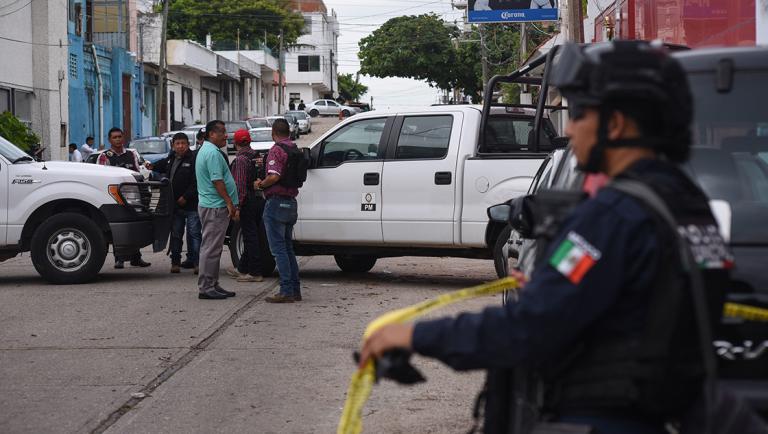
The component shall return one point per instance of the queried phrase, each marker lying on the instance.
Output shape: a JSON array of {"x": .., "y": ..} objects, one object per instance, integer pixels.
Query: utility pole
[
  {"x": 280, "y": 60},
  {"x": 483, "y": 55},
  {"x": 163, "y": 66},
  {"x": 574, "y": 30}
]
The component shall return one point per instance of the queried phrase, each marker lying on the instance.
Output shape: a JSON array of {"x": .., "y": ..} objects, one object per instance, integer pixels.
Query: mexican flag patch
[{"x": 574, "y": 257}]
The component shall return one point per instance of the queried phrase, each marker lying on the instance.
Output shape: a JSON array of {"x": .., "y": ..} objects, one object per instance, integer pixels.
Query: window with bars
[{"x": 73, "y": 65}]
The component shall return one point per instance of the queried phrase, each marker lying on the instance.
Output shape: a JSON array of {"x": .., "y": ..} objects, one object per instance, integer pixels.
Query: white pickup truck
[
  {"x": 66, "y": 214},
  {"x": 414, "y": 183}
]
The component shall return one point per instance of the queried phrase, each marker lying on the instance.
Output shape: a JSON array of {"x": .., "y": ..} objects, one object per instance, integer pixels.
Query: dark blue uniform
[{"x": 596, "y": 284}]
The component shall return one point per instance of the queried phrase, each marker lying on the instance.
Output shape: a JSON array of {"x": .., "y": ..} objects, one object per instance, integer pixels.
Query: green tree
[
  {"x": 427, "y": 48},
  {"x": 225, "y": 20},
  {"x": 419, "y": 47},
  {"x": 350, "y": 88},
  {"x": 17, "y": 132}
]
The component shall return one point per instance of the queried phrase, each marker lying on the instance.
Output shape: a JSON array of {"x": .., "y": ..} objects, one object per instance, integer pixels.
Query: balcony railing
[{"x": 111, "y": 39}]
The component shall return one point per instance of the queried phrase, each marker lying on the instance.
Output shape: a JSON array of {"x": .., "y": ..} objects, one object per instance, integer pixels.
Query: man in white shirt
[
  {"x": 74, "y": 154},
  {"x": 87, "y": 149}
]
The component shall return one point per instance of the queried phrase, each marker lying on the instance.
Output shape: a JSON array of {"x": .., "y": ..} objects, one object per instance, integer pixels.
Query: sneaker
[
  {"x": 233, "y": 273},
  {"x": 187, "y": 265},
  {"x": 249, "y": 278},
  {"x": 140, "y": 263},
  {"x": 119, "y": 265},
  {"x": 175, "y": 269},
  {"x": 211, "y": 295},
  {"x": 280, "y": 298}
]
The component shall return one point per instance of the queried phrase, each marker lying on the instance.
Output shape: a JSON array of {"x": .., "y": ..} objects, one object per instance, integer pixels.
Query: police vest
[
  {"x": 126, "y": 160},
  {"x": 658, "y": 373}
]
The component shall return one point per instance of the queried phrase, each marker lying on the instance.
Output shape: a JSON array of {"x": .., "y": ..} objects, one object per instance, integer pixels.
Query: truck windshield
[
  {"x": 10, "y": 151},
  {"x": 730, "y": 155}
]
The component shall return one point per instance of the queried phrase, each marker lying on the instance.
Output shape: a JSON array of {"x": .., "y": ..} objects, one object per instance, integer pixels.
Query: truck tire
[
  {"x": 355, "y": 264},
  {"x": 314, "y": 113},
  {"x": 504, "y": 254},
  {"x": 68, "y": 248},
  {"x": 236, "y": 249}
]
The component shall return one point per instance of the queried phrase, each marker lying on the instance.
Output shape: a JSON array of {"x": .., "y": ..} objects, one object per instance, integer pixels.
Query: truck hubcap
[{"x": 68, "y": 249}]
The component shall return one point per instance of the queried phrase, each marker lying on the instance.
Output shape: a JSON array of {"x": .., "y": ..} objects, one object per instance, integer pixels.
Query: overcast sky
[{"x": 357, "y": 19}]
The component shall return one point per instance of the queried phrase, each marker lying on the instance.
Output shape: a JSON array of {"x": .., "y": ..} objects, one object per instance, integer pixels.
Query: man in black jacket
[{"x": 179, "y": 167}]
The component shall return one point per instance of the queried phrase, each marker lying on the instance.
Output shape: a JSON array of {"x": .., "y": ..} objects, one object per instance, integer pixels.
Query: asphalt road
[
  {"x": 136, "y": 351},
  {"x": 75, "y": 357}
]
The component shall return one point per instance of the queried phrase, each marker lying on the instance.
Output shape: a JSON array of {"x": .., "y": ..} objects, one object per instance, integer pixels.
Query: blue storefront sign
[{"x": 512, "y": 11}]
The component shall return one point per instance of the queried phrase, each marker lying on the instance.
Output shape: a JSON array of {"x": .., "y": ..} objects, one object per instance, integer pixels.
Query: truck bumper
[
  {"x": 129, "y": 237},
  {"x": 130, "y": 230}
]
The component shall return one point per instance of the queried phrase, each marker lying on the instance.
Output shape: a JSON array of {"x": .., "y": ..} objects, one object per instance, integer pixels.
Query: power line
[
  {"x": 14, "y": 11},
  {"x": 34, "y": 43}
]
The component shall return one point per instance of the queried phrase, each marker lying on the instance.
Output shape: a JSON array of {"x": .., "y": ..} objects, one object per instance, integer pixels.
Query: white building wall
[
  {"x": 16, "y": 73},
  {"x": 35, "y": 66},
  {"x": 322, "y": 41},
  {"x": 178, "y": 78}
]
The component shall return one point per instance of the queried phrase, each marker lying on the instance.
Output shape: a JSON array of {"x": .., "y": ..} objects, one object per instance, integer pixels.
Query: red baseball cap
[{"x": 242, "y": 136}]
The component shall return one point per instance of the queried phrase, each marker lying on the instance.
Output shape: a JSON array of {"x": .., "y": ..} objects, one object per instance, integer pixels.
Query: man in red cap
[{"x": 251, "y": 206}]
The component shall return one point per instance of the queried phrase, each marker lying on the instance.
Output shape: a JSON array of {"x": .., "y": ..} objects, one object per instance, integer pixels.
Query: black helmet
[{"x": 638, "y": 78}]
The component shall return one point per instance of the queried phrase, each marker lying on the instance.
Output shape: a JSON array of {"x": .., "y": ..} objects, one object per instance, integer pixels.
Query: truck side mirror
[
  {"x": 500, "y": 213},
  {"x": 521, "y": 216}
]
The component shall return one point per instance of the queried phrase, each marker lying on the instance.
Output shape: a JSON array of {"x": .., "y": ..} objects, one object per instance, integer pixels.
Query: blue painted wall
[{"x": 84, "y": 89}]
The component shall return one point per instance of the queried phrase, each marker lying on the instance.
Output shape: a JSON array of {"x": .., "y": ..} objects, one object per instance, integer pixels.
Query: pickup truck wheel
[
  {"x": 68, "y": 248},
  {"x": 355, "y": 264},
  {"x": 314, "y": 113},
  {"x": 505, "y": 253},
  {"x": 237, "y": 246}
]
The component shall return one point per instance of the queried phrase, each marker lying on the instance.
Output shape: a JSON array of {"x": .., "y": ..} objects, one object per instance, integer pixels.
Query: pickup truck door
[
  {"x": 4, "y": 180},
  {"x": 341, "y": 198},
  {"x": 419, "y": 190}
]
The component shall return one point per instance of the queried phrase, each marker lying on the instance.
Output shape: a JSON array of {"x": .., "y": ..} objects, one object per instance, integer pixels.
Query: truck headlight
[{"x": 126, "y": 195}]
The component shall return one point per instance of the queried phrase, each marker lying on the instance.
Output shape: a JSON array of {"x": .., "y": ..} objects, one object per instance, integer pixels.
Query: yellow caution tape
[
  {"x": 743, "y": 311},
  {"x": 362, "y": 380}
]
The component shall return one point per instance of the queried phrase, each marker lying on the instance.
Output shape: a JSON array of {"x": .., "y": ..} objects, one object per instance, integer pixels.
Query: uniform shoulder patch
[
  {"x": 574, "y": 257},
  {"x": 110, "y": 154}
]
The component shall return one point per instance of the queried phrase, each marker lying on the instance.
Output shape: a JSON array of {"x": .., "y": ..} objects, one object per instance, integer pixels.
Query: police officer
[
  {"x": 607, "y": 318},
  {"x": 120, "y": 156}
]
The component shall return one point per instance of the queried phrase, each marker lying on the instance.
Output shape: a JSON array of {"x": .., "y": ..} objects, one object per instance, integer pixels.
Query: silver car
[{"x": 329, "y": 107}]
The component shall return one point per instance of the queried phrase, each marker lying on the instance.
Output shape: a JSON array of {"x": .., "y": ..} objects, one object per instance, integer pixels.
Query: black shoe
[
  {"x": 211, "y": 295},
  {"x": 139, "y": 263},
  {"x": 187, "y": 265},
  {"x": 119, "y": 265},
  {"x": 297, "y": 296},
  {"x": 225, "y": 292}
]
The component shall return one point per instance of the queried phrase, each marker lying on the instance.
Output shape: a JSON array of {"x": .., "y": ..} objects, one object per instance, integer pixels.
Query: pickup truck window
[
  {"x": 356, "y": 141},
  {"x": 423, "y": 137},
  {"x": 514, "y": 133}
]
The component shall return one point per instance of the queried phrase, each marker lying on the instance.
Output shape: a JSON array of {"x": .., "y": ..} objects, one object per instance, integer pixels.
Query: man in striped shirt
[{"x": 251, "y": 206}]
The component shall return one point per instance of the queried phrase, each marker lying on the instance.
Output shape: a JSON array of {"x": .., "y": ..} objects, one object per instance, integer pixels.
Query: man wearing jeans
[
  {"x": 179, "y": 167},
  {"x": 280, "y": 215},
  {"x": 217, "y": 205}
]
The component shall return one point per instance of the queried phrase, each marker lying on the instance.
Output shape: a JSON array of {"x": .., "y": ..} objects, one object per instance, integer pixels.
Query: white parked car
[
  {"x": 329, "y": 107},
  {"x": 261, "y": 138}
]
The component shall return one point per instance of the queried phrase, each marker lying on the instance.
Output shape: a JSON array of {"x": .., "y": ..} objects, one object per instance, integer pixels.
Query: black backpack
[{"x": 295, "y": 172}]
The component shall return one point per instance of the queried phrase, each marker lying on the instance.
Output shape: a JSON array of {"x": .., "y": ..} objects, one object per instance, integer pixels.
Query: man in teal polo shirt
[{"x": 217, "y": 205}]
